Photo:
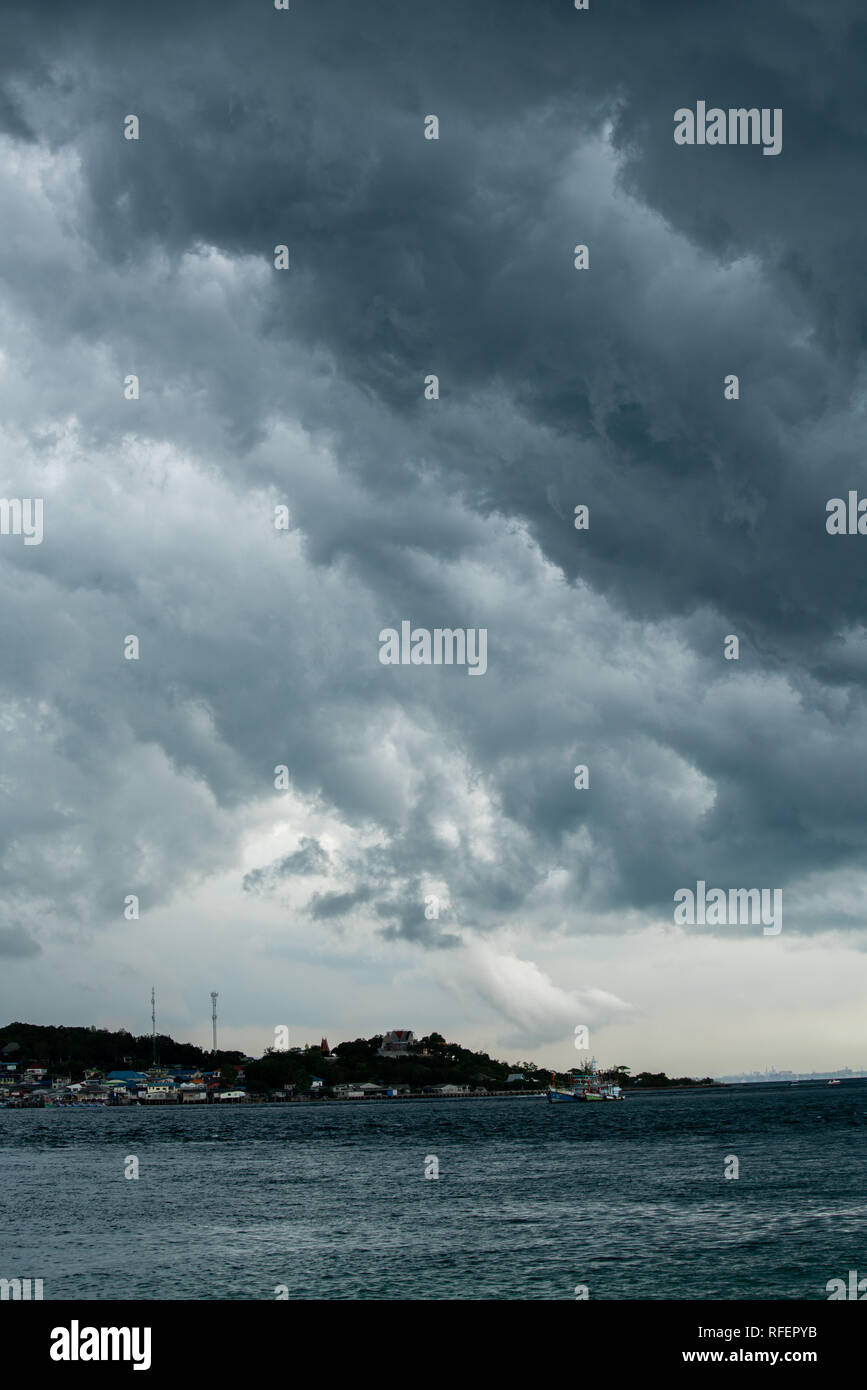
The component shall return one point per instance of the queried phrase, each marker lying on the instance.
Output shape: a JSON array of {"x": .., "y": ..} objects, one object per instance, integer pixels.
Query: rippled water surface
[{"x": 532, "y": 1199}]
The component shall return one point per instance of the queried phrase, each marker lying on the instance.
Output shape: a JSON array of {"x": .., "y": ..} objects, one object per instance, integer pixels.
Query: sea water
[{"x": 532, "y": 1201}]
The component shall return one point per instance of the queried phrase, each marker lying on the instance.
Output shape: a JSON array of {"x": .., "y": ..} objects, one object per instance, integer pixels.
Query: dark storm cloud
[
  {"x": 308, "y": 858},
  {"x": 324, "y": 906},
  {"x": 408, "y": 927},
  {"x": 558, "y": 387},
  {"x": 405, "y": 921},
  {"x": 410, "y": 256}
]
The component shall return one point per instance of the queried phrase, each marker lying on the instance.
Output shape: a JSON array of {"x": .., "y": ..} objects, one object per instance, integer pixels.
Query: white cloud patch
[{"x": 534, "y": 1009}]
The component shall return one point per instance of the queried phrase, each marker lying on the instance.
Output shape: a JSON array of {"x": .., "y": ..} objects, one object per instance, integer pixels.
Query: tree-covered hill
[
  {"x": 431, "y": 1061},
  {"x": 74, "y": 1049}
]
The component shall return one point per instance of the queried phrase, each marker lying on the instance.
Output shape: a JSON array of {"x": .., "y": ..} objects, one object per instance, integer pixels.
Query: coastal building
[
  {"x": 397, "y": 1043},
  {"x": 162, "y": 1089},
  {"x": 189, "y": 1094}
]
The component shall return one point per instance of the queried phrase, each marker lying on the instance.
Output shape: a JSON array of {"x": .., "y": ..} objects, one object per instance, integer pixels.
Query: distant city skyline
[{"x": 785, "y": 1075}]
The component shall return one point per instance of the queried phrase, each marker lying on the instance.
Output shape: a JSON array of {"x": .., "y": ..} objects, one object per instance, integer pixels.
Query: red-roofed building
[{"x": 397, "y": 1043}]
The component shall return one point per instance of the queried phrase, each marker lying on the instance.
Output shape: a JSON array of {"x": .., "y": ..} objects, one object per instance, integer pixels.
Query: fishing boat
[{"x": 585, "y": 1086}]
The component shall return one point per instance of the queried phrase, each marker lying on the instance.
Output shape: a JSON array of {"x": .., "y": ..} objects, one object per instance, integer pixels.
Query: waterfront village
[
  {"x": 239, "y": 1079},
  {"x": 58, "y": 1066}
]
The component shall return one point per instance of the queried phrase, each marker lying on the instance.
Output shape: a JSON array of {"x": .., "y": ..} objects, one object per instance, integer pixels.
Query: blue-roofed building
[{"x": 129, "y": 1080}]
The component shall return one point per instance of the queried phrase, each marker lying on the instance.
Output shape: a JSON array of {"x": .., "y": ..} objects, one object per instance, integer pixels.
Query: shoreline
[{"x": 329, "y": 1100}]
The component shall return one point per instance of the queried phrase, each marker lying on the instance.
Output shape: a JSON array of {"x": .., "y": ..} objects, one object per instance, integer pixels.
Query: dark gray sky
[{"x": 558, "y": 387}]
